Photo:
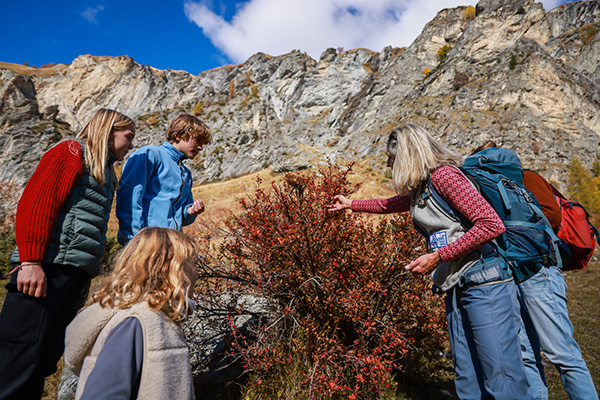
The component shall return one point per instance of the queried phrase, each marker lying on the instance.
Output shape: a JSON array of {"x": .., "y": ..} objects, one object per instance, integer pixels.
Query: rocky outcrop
[
  {"x": 25, "y": 132},
  {"x": 510, "y": 71}
]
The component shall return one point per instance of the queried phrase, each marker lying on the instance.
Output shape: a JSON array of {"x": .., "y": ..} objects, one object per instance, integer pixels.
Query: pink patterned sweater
[{"x": 456, "y": 189}]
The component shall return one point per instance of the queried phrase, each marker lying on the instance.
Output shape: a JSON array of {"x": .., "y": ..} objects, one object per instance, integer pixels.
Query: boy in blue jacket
[{"x": 155, "y": 188}]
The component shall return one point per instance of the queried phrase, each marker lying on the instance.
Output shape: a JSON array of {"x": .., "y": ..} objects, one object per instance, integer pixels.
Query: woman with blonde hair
[
  {"x": 61, "y": 224},
  {"x": 128, "y": 343},
  {"x": 481, "y": 304}
]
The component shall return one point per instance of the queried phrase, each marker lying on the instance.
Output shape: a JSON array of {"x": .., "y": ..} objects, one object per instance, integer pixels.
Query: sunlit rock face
[{"x": 505, "y": 70}]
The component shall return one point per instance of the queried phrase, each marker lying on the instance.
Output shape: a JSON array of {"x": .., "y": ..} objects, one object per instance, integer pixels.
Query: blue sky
[{"x": 197, "y": 35}]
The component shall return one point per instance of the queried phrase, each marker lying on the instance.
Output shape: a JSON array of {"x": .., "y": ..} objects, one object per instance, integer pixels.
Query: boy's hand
[
  {"x": 196, "y": 208},
  {"x": 32, "y": 279}
]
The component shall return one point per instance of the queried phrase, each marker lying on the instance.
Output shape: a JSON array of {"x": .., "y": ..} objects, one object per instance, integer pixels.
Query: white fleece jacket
[{"x": 166, "y": 370}]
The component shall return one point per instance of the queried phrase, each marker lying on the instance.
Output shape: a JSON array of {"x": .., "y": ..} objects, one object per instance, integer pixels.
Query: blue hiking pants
[
  {"x": 546, "y": 326},
  {"x": 483, "y": 322}
]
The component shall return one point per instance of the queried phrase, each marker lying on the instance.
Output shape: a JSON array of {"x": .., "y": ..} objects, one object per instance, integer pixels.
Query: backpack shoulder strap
[{"x": 442, "y": 203}]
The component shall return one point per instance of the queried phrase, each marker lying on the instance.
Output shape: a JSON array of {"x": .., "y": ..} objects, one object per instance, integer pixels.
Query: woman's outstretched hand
[
  {"x": 424, "y": 264},
  {"x": 340, "y": 202}
]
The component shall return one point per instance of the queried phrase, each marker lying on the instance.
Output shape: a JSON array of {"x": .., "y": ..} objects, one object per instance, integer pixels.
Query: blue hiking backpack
[{"x": 529, "y": 240}]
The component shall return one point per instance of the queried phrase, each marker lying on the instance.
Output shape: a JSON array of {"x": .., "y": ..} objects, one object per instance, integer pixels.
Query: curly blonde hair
[
  {"x": 99, "y": 134},
  {"x": 151, "y": 267},
  {"x": 416, "y": 155}
]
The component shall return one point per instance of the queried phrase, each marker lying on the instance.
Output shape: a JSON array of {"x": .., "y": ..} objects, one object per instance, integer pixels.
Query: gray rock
[{"x": 68, "y": 385}]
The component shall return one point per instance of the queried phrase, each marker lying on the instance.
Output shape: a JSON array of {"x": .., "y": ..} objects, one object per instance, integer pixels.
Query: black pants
[{"x": 32, "y": 330}]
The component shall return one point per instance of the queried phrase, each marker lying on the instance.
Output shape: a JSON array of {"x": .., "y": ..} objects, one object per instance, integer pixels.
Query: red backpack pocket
[{"x": 576, "y": 231}]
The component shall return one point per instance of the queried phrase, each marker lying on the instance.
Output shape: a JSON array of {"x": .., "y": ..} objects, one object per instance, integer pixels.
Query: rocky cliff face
[{"x": 512, "y": 72}]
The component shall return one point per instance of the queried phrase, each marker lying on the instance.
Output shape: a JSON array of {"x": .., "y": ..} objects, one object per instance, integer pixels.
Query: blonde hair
[
  {"x": 150, "y": 267},
  {"x": 416, "y": 154},
  {"x": 186, "y": 126},
  {"x": 99, "y": 134}
]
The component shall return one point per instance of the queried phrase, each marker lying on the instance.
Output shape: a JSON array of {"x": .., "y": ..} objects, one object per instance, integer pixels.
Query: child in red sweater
[{"x": 61, "y": 225}]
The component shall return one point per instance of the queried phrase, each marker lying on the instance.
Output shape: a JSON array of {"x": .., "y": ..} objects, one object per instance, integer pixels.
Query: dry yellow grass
[
  {"x": 25, "y": 70},
  {"x": 222, "y": 198}
]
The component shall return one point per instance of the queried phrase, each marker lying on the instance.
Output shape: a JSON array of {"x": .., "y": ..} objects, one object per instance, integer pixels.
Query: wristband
[{"x": 15, "y": 268}]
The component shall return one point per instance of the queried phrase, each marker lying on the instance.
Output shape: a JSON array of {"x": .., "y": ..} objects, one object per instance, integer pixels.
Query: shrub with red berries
[{"x": 337, "y": 309}]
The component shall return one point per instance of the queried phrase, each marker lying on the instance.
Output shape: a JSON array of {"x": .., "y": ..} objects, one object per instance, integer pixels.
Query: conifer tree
[
  {"x": 580, "y": 182},
  {"x": 584, "y": 186},
  {"x": 596, "y": 168}
]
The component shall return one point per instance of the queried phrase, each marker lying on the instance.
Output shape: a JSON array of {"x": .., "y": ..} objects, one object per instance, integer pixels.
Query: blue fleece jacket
[
  {"x": 118, "y": 369},
  {"x": 155, "y": 189}
]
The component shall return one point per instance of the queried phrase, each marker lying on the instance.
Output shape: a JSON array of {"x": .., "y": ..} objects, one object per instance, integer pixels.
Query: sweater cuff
[
  {"x": 31, "y": 251},
  {"x": 443, "y": 252}
]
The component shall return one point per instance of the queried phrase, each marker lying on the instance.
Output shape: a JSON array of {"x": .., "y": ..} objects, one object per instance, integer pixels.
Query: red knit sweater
[
  {"x": 457, "y": 190},
  {"x": 43, "y": 198}
]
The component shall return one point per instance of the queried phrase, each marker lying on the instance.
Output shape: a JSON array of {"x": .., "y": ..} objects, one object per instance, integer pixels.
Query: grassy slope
[
  {"x": 222, "y": 198},
  {"x": 25, "y": 70}
]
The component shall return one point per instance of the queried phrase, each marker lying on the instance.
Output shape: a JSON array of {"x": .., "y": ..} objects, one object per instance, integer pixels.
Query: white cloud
[
  {"x": 278, "y": 26},
  {"x": 90, "y": 14},
  {"x": 550, "y": 4}
]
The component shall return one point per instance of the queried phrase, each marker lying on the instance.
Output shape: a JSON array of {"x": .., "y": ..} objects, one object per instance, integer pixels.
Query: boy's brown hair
[
  {"x": 485, "y": 145},
  {"x": 186, "y": 126}
]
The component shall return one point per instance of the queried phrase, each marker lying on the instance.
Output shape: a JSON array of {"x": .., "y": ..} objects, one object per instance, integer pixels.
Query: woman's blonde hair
[
  {"x": 416, "y": 154},
  {"x": 151, "y": 267},
  {"x": 98, "y": 133}
]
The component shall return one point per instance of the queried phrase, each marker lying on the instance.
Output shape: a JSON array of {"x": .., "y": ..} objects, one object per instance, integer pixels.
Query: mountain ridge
[{"x": 511, "y": 72}]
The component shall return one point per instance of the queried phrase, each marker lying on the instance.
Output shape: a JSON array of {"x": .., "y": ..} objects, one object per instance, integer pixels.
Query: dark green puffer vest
[{"x": 79, "y": 235}]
